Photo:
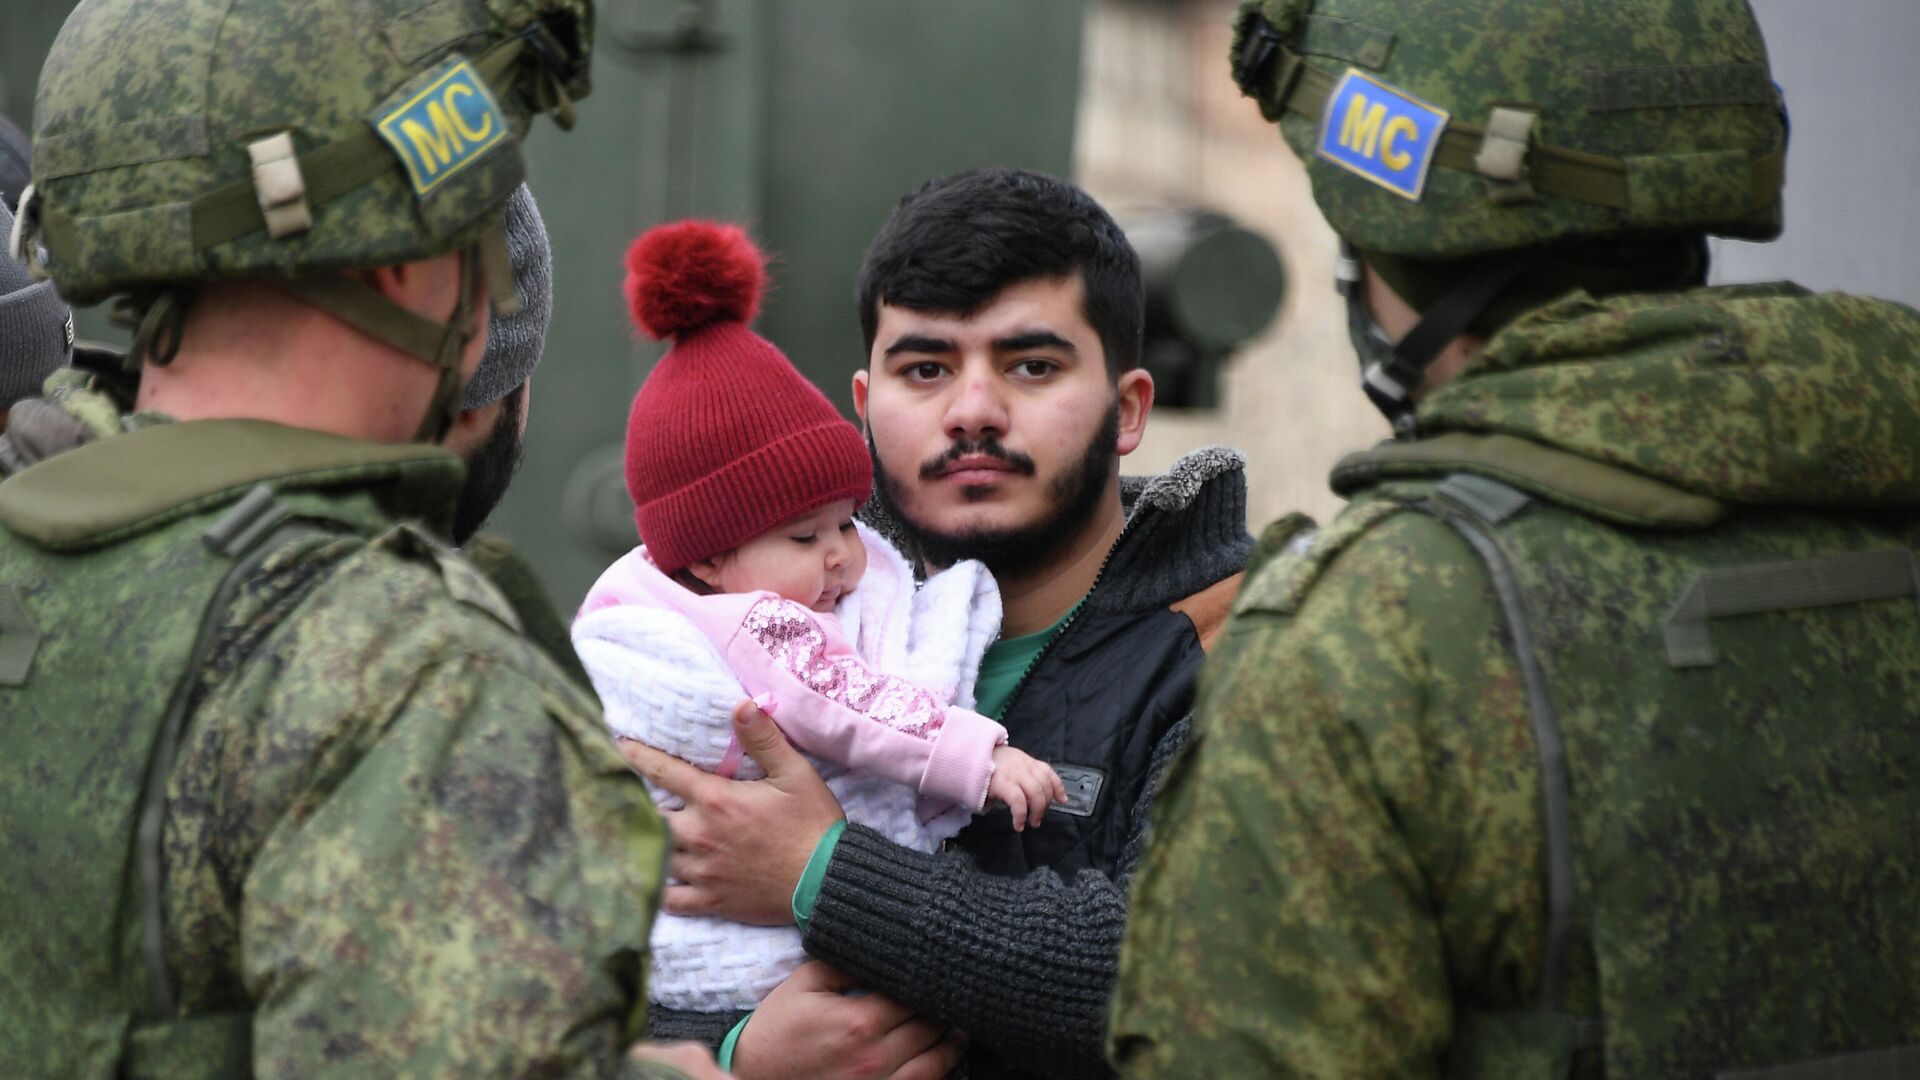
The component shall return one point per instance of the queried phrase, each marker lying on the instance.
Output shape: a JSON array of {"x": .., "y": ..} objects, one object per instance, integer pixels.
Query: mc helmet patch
[
  {"x": 445, "y": 126},
  {"x": 1381, "y": 133}
]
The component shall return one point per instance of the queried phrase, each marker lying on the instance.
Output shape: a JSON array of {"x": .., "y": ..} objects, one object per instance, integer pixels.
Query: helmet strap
[
  {"x": 1390, "y": 375},
  {"x": 371, "y": 312},
  {"x": 158, "y": 319}
]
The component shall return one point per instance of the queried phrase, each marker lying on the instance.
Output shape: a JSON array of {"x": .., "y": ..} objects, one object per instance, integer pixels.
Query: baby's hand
[{"x": 1025, "y": 785}]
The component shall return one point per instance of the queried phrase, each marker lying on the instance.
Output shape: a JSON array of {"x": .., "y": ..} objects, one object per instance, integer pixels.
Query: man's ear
[
  {"x": 860, "y": 381},
  {"x": 1135, "y": 396},
  {"x": 389, "y": 281},
  {"x": 429, "y": 287},
  {"x": 472, "y": 426}
]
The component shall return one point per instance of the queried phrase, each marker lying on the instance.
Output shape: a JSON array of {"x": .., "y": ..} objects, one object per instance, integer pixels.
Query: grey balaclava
[
  {"x": 514, "y": 342},
  {"x": 36, "y": 329}
]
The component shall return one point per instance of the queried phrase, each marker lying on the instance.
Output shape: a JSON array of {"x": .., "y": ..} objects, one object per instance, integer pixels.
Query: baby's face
[{"x": 814, "y": 559}]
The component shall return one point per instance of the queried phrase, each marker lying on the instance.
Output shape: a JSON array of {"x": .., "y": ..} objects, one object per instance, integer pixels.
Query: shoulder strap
[
  {"x": 464, "y": 580},
  {"x": 1291, "y": 554},
  {"x": 252, "y": 531},
  {"x": 1475, "y": 506}
]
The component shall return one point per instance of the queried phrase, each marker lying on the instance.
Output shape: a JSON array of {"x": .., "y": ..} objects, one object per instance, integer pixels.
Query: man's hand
[
  {"x": 689, "y": 1060},
  {"x": 807, "y": 1027},
  {"x": 740, "y": 846}
]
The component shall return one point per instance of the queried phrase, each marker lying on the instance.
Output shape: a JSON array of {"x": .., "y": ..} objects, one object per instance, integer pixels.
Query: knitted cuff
[
  {"x": 709, "y": 1029},
  {"x": 807, "y": 893},
  {"x": 866, "y": 920}
]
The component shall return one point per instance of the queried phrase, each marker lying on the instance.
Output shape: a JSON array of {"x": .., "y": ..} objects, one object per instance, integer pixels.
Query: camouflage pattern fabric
[
  {"x": 1347, "y": 875},
  {"x": 1677, "y": 93},
  {"x": 144, "y": 178},
  {"x": 396, "y": 834}
]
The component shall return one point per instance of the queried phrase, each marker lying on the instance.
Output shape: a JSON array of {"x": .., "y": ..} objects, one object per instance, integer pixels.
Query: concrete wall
[
  {"x": 1161, "y": 123},
  {"x": 1853, "y": 162}
]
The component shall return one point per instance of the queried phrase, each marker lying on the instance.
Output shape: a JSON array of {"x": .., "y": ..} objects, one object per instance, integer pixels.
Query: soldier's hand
[
  {"x": 808, "y": 1027},
  {"x": 739, "y": 846},
  {"x": 681, "y": 1061}
]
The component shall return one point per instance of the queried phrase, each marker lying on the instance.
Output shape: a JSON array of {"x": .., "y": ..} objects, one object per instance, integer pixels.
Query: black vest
[{"x": 1095, "y": 705}]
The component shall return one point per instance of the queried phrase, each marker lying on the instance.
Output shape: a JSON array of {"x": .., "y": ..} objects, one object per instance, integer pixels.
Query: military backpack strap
[
  {"x": 1475, "y": 507},
  {"x": 249, "y": 533},
  {"x": 19, "y": 637},
  {"x": 210, "y": 1046}
]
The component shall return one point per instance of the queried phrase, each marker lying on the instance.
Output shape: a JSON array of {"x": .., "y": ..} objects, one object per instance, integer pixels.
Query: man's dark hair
[{"x": 955, "y": 243}]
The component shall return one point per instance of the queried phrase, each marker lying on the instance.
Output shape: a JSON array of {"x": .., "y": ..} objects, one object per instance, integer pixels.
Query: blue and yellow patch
[
  {"x": 1382, "y": 133},
  {"x": 448, "y": 125}
]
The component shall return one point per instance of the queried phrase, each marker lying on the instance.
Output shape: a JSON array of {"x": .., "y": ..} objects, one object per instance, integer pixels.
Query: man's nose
[{"x": 977, "y": 407}]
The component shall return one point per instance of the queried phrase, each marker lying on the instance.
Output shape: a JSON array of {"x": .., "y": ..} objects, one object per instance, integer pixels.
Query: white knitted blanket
[{"x": 662, "y": 682}]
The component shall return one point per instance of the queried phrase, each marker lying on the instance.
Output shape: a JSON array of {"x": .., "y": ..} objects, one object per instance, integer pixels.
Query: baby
[{"x": 756, "y": 581}]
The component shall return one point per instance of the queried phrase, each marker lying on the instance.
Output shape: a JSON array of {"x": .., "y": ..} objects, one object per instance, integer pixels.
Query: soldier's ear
[{"x": 427, "y": 287}]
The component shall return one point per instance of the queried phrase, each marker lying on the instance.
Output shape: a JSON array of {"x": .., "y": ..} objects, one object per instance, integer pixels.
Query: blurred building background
[
  {"x": 807, "y": 119},
  {"x": 1161, "y": 122}
]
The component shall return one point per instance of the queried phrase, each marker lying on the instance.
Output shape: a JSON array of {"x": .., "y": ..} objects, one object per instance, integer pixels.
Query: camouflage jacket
[
  {"x": 1350, "y": 873},
  {"x": 397, "y": 840},
  {"x": 90, "y": 401}
]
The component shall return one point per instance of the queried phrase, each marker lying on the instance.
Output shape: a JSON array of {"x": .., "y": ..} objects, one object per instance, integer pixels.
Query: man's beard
[
  {"x": 490, "y": 469},
  {"x": 1011, "y": 553}
]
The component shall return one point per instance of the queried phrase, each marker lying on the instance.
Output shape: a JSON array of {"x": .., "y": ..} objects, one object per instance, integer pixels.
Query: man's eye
[
  {"x": 1035, "y": 369},
  {"x": 927, "y": 371}
]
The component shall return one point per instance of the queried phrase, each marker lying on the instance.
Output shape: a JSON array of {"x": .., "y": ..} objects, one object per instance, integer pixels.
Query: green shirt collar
[{"x": 1006, "y": 664}]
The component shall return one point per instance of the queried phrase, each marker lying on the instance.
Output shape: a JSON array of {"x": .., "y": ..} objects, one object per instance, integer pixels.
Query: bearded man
[{"x": 1002, "y": 312}]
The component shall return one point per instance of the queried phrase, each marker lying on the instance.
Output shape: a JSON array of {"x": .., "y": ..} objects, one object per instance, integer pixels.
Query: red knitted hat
[{"x": 726, "y": 440}]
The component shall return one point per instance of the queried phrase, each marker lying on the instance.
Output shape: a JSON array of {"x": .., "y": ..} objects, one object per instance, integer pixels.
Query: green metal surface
[{"x": 804, "y": 119}]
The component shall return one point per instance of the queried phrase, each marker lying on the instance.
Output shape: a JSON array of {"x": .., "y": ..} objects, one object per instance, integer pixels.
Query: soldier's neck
[{"x": 288, "y": 364}]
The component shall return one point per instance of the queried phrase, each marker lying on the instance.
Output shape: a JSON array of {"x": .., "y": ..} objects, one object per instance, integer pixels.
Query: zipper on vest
[{"x": 1066, "y": 624}]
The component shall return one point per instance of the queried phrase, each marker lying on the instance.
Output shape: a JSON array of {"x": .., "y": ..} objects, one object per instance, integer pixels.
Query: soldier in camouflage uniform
[
  {"x": 283, "y": 787},
  {"x": 1583, "y": 742}
]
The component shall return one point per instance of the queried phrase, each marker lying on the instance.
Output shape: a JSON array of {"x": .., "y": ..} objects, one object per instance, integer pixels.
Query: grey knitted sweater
[{"x": 1025, "y": 964}]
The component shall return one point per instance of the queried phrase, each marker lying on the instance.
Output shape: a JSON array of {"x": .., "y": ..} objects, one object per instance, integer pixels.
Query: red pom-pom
[{"x": 690, "y": 273}]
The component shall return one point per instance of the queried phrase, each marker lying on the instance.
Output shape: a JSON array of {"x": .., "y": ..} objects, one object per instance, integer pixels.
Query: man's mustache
[{"x": 985, "y": 447}]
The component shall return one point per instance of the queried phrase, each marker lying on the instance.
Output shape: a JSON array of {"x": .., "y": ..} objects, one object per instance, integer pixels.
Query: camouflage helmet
[
  {"x": 1442, "y": 130},
  {"x": 192, "y": 140},
  {"x": 185, "y": 141}
]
